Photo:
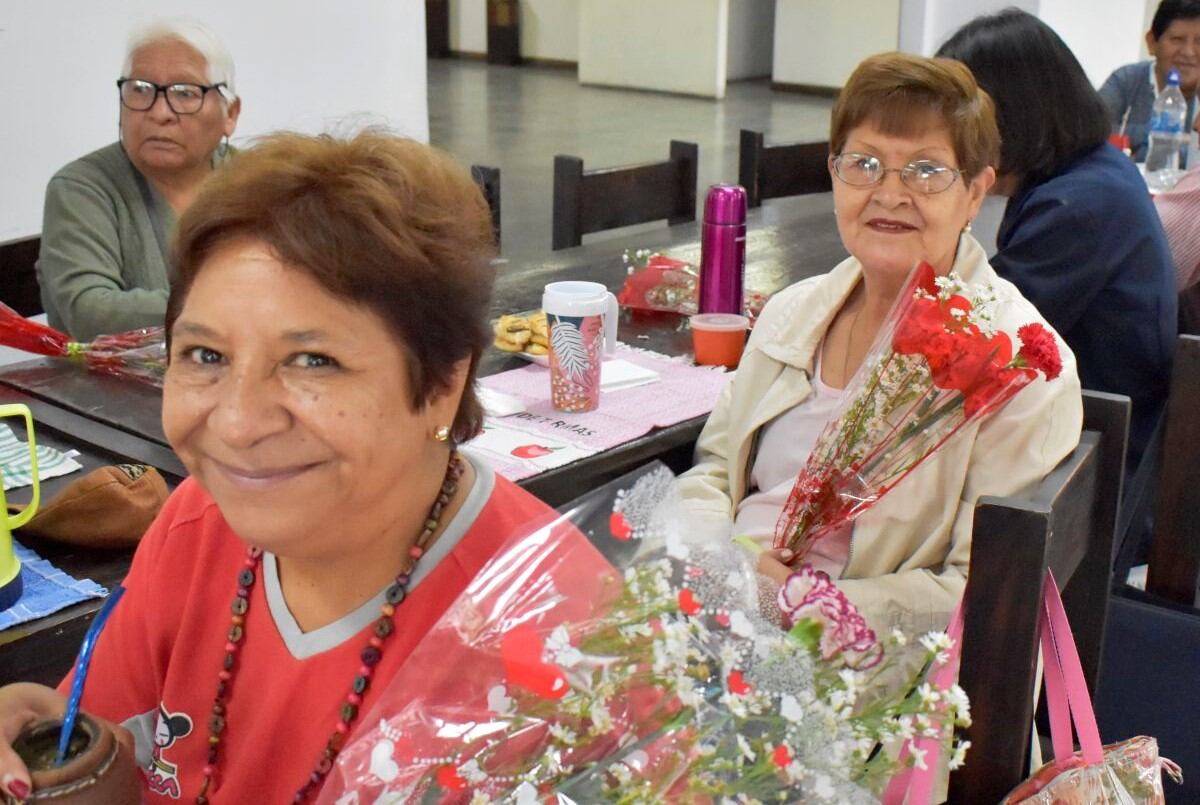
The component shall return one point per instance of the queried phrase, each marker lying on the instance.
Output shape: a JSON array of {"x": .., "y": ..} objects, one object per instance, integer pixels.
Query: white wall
[
  {"x": 550, "y": 29},
  {"x": 301, "y": 64},
  {"x": 468, "y": 26},
  {"x": 1103, "y": 34},
  {"x": 751, "y": 38},
  {"x": 820, "y": 42},
  {"x": 670, "y": 45}
]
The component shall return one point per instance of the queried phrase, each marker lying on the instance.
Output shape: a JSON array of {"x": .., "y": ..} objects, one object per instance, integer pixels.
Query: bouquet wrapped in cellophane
[
  {"x": 138, "y": 354},
  {"x": 937, "y": 364},
  {"x": 619, "y": 654}
]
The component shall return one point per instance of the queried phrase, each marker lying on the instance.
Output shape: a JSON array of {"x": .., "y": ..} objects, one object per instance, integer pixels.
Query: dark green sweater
[{"x": 103, "y": 265}]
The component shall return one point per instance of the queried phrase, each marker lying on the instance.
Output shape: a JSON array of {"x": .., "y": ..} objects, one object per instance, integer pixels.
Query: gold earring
[{"x": 442, "y": 434}]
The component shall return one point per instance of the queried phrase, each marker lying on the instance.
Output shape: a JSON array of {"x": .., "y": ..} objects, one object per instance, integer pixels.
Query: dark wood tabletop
[{"x": 110, "y": 420}]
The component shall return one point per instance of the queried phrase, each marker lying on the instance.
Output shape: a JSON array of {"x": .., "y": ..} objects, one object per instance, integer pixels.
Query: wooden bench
[
  {"x": 608, "y": 198},
  {"x": 1066, "y": 524},
  {"x": 774, "y": 171}
]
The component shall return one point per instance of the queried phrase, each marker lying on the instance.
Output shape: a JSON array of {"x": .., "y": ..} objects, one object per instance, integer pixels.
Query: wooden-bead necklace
[{"x": 370, "y": 655}]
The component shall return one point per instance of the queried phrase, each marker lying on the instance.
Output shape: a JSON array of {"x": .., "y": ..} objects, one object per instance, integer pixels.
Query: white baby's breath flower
[
  {"x": 480, "y": 798},
  {"x": 936, "y": 641},
  {"x": 918, "y": 756},
  {"x": 563, "y": 734},
  {"x": 471, "y": 772},
  {"x": 929, "y": 696},
  {"x": 622, "y": 773},
  {"x": 960, "y": 754},
  {"x": 904, "y": 727},
  {"x": 601, "y": 719},
  {"x": 823, "y": 786},
  {"x": 746, "y": 749},
  {"x": 899, "y": 637}
]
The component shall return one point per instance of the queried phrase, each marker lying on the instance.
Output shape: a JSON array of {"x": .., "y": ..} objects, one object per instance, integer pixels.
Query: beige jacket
[{"x": 908, "y": 555}]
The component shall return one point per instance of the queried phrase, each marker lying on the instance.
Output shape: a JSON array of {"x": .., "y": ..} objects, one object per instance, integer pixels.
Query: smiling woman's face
[
  {"x": 158, "y": 140},
  {"x": 890, "y": 226},
  {"x": 293, "y": 407}
]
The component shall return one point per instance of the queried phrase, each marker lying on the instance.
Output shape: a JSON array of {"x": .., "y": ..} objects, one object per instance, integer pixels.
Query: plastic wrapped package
[
  {"x": 621, "y": 653},
  {"x": 137, "y": 354}
]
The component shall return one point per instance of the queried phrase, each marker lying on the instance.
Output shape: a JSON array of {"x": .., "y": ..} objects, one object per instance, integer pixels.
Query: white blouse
[{"x": 783, "y": 450}]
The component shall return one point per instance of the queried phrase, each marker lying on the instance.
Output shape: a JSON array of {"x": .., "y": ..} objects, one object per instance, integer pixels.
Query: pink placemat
[{"x": 540, "y": 438}]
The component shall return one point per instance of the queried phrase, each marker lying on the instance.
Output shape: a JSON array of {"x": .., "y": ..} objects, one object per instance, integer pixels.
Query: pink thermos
[{"x": 723, "y": 249}]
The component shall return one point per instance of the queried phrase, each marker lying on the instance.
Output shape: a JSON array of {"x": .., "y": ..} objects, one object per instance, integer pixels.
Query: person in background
[
  {"x": 913, "y": 141},
  {"x": 103, "y": 265},
  {"x": 1079, "y": 236},
  {"x": 1174, "y": 42},
  {"x": 1179, "y": 209},
  {"x": 324, "y": 332}
]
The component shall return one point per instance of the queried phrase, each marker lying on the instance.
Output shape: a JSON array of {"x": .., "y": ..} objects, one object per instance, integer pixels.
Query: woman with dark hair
[
  {"x": 1080, "y": 236},
  {"x": 324, "y": 329}
]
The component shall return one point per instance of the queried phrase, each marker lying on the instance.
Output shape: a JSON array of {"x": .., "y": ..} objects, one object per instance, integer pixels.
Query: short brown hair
[
  {"x": 390, "y": 224},
  {"x": 899, "y": 92}
]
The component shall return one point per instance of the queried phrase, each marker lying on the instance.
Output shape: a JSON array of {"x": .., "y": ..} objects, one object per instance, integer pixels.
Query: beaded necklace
[{"x": 370, "y": 655}]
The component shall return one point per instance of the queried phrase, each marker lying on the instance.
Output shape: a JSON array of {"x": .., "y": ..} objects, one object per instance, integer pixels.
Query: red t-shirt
[{"x": 156, "y": 664}]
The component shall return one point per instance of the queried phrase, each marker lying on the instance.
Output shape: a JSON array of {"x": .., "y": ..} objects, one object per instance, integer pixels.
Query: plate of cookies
[{"x": 526, "y": 335}]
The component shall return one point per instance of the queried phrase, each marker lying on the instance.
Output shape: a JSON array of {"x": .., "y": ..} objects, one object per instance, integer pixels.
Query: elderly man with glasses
[{"x": 103, "y": 265}]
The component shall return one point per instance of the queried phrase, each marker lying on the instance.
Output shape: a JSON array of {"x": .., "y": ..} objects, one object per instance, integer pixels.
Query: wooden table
[{"x": 110, "y": 420}]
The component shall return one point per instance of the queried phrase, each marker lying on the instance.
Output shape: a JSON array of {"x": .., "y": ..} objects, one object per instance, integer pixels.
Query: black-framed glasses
[
  {"x": 923, "y": 175},
  {"x": 183, "y": 98}
]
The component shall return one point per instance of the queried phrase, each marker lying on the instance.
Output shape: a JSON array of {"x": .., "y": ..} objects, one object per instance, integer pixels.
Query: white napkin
[
  {"x": 497, "y": 403},
  {"x": 618, "y": 374}
]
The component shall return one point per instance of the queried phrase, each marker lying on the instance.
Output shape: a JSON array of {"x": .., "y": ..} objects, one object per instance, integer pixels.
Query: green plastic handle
[{"x": 18, "y": 520}]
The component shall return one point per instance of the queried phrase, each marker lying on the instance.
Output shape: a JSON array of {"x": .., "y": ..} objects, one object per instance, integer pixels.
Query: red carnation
[{"x": 1039, "y": 350}]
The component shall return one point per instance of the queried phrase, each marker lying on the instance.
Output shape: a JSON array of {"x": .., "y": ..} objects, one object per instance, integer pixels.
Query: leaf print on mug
[{"x": 569, "y": 348}]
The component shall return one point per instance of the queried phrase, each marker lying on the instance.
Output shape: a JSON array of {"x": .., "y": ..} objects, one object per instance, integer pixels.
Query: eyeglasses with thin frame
[
  {"x": 183, "y": 99},
  {"x": 923, "y": 175}
]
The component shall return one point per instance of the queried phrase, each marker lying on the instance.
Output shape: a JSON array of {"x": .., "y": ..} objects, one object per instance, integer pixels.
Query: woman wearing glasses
[
  {"x": 913, "y": 142},
  {"x": 103, "y": 261}
]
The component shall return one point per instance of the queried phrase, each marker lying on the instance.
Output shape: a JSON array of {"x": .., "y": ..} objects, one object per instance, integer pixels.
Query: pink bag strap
[
  {"x": 1067, "y": 697},
  {"x": 916, "y": 783}
]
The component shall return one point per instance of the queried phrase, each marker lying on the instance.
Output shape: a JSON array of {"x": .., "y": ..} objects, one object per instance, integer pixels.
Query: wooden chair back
[
  {"x": 1066, "y": 523},
  {"x": 608, "y": 198},
  {"x": 774, "y": 171},
  {"x": 18, "y": 276},
  {"x": 1189, "y": 310},
  {"x": 488, "y": 179},
  {"x": 1175, "y": 549}
]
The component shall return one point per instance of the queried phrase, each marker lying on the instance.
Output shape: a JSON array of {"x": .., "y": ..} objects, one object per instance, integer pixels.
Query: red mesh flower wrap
[
  {"x": 137, "y": 354},
  {"x": 936, "y": 365}
]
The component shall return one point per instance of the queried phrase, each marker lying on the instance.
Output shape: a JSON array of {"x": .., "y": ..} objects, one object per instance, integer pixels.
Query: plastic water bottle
[{"x": 1167, "y": 135}]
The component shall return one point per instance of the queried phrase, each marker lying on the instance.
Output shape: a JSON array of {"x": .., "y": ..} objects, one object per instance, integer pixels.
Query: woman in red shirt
[{"x": 324, "y": 332}]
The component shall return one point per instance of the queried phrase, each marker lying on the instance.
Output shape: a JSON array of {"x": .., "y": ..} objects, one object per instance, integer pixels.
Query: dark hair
[
  {"x": 1170, "y": 10},
  {"x": 1047, "y": 110},
  {"x": 390, "y": 224},
  {"x": 900, "y": 93}
]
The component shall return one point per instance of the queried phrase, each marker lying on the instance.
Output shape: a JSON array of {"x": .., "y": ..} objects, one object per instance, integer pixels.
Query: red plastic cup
[{"x": 719, "y": 338}]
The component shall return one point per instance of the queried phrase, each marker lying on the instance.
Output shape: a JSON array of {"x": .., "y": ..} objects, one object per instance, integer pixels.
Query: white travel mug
[{"x": 583, "y": 329}]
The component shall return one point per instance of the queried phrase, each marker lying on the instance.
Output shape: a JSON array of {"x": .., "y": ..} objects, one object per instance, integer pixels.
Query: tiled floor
[{"x": 518, "y": 118}]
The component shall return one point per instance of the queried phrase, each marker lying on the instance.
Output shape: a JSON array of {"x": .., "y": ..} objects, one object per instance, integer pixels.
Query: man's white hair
[{"x": 195, "y": 35}]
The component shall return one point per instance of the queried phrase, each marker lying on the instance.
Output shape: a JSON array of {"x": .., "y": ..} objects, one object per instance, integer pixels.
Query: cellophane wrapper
[
  {"x": 1130, "y": 775},
  {"x": 934, "y": 367},
  {"x": 137, "y": 354},
  {"x": 620, "y": 653}
]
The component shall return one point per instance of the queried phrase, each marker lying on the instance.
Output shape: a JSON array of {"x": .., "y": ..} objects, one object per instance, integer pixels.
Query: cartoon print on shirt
[{"x": 162, "y": 777}]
